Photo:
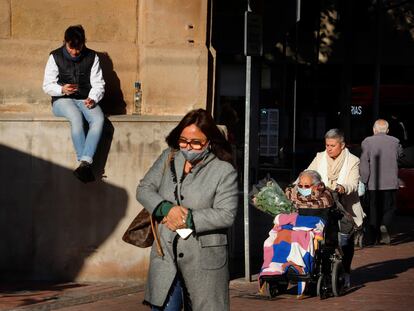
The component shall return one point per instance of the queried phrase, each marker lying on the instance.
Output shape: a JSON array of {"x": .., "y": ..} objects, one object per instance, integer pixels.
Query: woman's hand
[
  {"x": 340, "y": 189},
  {"x": 176, "y": 218}
]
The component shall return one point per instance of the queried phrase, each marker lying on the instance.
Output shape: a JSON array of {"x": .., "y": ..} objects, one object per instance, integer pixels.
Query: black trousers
[
  {"x": 348, "y": 251},
  {"x": 382, "y": 206}
]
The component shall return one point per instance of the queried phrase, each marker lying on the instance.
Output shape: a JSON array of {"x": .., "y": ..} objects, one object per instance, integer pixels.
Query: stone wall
[
  {"x": 52, "y": 226},
  {"x": 173, "y": 57}
]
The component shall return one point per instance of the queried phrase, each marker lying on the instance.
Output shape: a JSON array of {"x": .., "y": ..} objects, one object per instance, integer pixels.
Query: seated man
[
  {"x": 73, "y": 78},
  {"x": 291, "y": 241}
]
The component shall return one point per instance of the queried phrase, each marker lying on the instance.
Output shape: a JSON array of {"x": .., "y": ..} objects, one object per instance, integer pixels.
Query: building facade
[{"x": 53, "y": 227}]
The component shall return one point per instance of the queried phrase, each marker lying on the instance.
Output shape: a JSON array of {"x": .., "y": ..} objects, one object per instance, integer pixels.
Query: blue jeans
[
  {"x": 76, "y": 112},
  {"x": 174, "y": 300}
]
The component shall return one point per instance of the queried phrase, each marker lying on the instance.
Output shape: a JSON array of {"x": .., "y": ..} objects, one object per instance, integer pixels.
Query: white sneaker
[{"x": 385, "y": 236}]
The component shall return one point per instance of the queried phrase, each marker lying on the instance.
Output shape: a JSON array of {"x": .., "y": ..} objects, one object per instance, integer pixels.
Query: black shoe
[{"x": 84, "y": 172}]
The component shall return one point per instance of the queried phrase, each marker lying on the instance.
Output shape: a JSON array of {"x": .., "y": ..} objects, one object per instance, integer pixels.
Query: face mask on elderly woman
[
  {"x": 305, "y": 191},
  {"x": 305, "y": 185}
]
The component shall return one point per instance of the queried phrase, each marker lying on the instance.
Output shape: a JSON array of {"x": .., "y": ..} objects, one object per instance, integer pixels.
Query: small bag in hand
[{"x": 143, "y": 231}]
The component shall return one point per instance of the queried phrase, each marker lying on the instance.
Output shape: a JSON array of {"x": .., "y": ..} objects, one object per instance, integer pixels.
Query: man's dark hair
[
  {"x": 75, "y": 36},
  {"x": 203, "y": 120}
]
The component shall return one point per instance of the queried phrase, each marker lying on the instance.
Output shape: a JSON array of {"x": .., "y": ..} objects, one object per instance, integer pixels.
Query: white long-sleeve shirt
[{"x": 52, "y": 88}]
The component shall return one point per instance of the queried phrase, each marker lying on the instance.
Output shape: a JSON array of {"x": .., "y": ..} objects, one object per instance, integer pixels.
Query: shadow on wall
[
  {"x": 50, "y": 222},
  {"x": 113, "y": 102},
  {"x": 102, "y": 151}
]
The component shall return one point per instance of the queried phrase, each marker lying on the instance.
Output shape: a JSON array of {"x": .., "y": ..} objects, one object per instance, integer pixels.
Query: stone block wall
[
  {"x": 54, "y": 227},
  {"x": 173, "y": 57}
]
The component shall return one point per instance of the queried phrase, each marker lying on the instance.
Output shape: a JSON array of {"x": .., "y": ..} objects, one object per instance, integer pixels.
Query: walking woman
[
  {"x": 339, "y": 170},
  {"x": 192, "y": 185}
]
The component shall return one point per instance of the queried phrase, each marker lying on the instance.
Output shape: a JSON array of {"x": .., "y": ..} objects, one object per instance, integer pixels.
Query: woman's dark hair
[
  {"x": 203, "y": 120},
  {"x": 75, "y": 36}
]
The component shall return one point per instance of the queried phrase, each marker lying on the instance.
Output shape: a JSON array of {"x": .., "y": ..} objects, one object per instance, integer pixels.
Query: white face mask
[
  {"x": 193, "y": 156},
  {"x": 305, "y": 191}
]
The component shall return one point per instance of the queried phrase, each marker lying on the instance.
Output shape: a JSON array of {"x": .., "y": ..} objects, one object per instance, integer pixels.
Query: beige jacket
[{"x": 348, "y": 178}]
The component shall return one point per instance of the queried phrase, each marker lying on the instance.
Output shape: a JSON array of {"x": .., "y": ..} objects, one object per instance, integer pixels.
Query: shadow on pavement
[
  {"x": 22, "y": 294},
  {"x": 22, "y": 288},
  {"x": 401, "y": 238},
  {"x": 382, "y": 270}
]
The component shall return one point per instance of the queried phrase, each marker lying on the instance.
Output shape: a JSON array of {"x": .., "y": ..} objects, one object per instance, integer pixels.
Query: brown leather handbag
[{"x": 143, "y": 231}]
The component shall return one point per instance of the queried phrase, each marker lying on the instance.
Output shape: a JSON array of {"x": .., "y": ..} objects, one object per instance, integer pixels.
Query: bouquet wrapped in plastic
[{"x": 268, "y": 197}]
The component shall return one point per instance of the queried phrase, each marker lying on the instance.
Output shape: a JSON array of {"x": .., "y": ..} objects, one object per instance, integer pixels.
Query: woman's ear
[
  {"x": 320, "y": 186},
  {"x": 342, "y": 146}
]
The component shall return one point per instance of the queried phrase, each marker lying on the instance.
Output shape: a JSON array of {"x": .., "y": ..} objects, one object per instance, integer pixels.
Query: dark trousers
[
  {"x": 382, "y": 205},
  {"x": 348, "y": 251}
]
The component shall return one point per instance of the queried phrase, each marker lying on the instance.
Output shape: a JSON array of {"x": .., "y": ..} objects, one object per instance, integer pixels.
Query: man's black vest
[{"x": 74, "y": 72}]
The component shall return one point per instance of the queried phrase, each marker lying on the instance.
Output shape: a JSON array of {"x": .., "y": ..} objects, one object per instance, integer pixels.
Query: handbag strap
[
  {"x": 154, "y": 223},
  {"x": 154, "y": 228}
]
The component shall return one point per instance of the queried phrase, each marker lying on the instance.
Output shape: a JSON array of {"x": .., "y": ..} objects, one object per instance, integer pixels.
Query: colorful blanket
[{"x": 292, "y": 243}]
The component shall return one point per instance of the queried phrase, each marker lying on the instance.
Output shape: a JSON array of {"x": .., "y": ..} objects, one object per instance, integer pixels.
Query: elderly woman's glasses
[
  {"x": 194, "y": 144},
  {"x": 304, "y": 186}
]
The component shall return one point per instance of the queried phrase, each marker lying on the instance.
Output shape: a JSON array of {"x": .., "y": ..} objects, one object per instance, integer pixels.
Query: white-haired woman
[
  {"x": 339, "y": 170},
  {"x": 282, "y": 249},
  {"x": 310, "y": 192}
]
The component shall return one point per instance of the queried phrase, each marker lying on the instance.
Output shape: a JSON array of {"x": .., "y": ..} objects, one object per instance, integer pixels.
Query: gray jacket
[
  {"x": 210, "y": 192},
  {"x": 379, "y": 162}
]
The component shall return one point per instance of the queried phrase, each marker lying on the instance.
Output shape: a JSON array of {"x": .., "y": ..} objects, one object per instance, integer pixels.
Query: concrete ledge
[{"x": 51, "y": 118}]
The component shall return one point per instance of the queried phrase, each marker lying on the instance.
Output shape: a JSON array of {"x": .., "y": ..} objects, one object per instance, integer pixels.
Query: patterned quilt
[{"x": 292, "y": 243}]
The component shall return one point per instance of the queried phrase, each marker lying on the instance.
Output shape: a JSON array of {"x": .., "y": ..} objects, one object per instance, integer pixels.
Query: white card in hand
[{"x": 184, "y": 233}]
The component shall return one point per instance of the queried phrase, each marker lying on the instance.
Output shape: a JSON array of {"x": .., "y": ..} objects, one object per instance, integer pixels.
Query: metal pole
[
  {"x": 246, "y": 171},
  {"x": 246, "y": 178},
  {"x": 377, "y": 70},
  {"x": 298, "y": 4},
  {"x": 294, "y": 116}
]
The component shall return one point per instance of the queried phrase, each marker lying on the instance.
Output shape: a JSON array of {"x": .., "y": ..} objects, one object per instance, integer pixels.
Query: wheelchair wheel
[
  {"x": 322, "y": 287},
  {"x": 338, "y": 280}
]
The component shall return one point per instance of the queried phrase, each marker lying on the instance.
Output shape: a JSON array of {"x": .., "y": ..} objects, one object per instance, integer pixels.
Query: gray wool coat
[
  {"x": 210, "y": 192},
  {"x": 379, "y": 161}
]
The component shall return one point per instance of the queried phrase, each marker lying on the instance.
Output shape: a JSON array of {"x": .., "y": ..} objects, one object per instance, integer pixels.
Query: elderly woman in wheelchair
[{"x": 302, "y": 247}]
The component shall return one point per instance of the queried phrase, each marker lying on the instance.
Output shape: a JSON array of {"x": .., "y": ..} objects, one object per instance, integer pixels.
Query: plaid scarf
[{"x": 319, "y": 198}]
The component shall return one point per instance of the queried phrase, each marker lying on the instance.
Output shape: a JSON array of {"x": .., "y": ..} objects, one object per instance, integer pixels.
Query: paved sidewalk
[
  {"x": 47, "y": 296},
  {"x": 382, "y": 279}
]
